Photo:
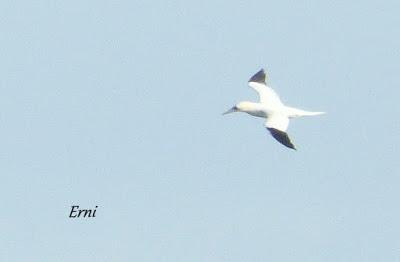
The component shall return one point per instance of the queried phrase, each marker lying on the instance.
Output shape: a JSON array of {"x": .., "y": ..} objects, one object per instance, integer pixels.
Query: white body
[
  {"x": 271, "y": 108},
  {"x": 264, "y": 110}
]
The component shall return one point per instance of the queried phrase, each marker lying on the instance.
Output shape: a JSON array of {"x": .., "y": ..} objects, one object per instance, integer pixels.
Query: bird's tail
[{"x": 295, "y": 112}]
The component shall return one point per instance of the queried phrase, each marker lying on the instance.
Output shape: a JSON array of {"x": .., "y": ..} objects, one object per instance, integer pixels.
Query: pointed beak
[{"x": 233, "y": 109}]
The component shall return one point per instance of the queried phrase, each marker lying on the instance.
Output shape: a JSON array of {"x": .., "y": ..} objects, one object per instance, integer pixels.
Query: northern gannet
[{"x": 271, "y": 108}]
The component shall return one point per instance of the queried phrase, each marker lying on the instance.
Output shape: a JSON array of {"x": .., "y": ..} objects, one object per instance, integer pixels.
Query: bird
[{"x": 271, "y": 108}]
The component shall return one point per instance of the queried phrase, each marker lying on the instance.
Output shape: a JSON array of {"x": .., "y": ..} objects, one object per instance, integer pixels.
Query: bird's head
[{"x": 239, "y": 107}]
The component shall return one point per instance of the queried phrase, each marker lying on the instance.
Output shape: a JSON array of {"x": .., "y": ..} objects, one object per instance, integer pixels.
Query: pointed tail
[{"x": 295, "y": 112}]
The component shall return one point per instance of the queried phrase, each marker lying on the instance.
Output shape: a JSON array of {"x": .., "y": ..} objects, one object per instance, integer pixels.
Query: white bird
[{"x": 271, "y": 108}]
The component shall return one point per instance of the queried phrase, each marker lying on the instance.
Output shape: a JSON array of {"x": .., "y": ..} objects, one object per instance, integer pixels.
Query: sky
[{"x": 117, "y": 104}]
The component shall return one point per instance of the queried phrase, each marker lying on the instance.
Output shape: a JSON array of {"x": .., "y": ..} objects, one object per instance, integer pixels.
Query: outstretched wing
[
  {"x": 277, "y": 125},
  {"x": 267, "y": 95}
]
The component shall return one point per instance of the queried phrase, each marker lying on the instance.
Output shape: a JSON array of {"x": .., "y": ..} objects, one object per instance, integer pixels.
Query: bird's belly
[{"x": 258, "y": 113}]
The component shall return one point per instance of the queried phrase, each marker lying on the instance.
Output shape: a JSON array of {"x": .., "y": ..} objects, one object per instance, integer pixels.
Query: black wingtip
[
  {"x": 282, "y": 138},
  {"x": 259, "y": 77}
]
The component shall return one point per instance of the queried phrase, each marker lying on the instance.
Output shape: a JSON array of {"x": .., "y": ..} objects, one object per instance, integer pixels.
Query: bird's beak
[{"x": 233, "y": 109}]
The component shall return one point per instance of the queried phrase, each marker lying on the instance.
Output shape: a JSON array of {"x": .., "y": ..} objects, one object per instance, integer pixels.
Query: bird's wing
[
  {"x": 267, "y": 95},
  {"x": 277, "y": 125}
]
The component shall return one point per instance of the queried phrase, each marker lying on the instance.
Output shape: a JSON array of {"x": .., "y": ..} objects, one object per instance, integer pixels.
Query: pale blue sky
[{"x": 118, "y": 104}]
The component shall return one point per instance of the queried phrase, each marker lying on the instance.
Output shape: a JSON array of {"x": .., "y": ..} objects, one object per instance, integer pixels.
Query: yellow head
[{"x": 240, "y": 107}]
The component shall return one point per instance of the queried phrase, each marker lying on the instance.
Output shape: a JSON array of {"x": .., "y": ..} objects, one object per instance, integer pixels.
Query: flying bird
[{"x": 271, "y": 108}]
